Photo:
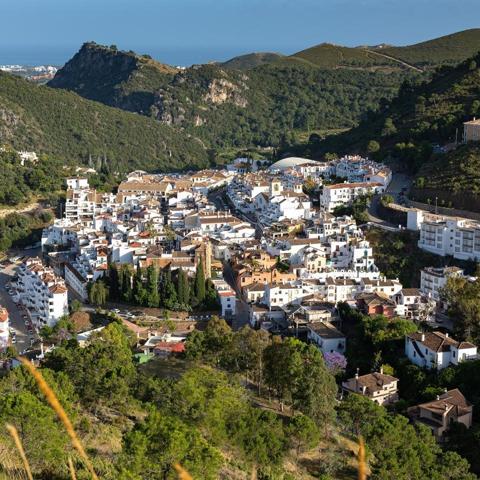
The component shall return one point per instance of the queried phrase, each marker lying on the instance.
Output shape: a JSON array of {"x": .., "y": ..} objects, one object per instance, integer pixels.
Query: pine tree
[
  {"x": 139, "y": 292},
  {"x": 126, "y": 282},
  {"x": 113, "y": 282},
  {"x": 153, "y": 297},
  {"x": 183, "y": 288},
  {"x": 171, "y": 299},
  {"x": 200, "y": 282}
]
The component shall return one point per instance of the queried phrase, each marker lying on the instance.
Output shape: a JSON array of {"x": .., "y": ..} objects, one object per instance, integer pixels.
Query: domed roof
[{"x": 289, "y": 162}]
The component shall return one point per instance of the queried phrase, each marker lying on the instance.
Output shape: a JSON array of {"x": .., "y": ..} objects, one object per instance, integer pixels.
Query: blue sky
[{"x": 187, "y": 31}]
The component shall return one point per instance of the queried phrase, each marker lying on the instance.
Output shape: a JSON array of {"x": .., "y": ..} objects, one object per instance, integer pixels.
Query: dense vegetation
[
  {"x": 267, "y": 104},
  {"x": 18, "y": 183},
  {"x": 136, "y": 421},
  {"x": 22, "y": 229},
  {"x": 453, "y": 179},
  {"x": 228, "y": 107},
  {"x": 463, "y": 298},
  {"x": 421, "y": 114},
  {"x": 376, "y": 342},
  {"x": 398, "y": 256},
  {"x": 153, "y": 287},
  {"x": 73, "y": 129}
]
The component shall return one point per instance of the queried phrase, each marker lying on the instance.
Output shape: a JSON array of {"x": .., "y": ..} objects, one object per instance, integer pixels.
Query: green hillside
[
  {"x": 330, "y": 56},
  {"x": 72, "y": 128},
  {"x": 269, "y": 104},
  {"x": 424, "y": 112},
  {"x": 404, "y": 131},
  {"x": 446, "y": 50},
  {"x": 251, "y": 60},
  {"x": 454, "y": 179},
  {"x": 449, "y": 49}
]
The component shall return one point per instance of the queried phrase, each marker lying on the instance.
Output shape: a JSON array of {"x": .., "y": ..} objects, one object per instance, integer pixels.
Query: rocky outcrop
[
  {"x": 116, "y": 78},
  {"x": 221, "y": 90}
]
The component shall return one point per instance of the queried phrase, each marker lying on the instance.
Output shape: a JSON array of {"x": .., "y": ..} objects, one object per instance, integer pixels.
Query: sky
[{"x": 182, "y": 32}]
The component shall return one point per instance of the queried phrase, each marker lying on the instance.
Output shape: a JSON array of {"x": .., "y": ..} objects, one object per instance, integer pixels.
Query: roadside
[{"x": 16, "y": 314}]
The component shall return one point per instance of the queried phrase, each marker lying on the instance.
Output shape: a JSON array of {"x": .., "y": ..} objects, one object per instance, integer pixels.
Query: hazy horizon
[{"x": 182, "y": 32}]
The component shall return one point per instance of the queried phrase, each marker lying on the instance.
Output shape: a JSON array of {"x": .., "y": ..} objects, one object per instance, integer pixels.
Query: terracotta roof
[
  {"x": 57, "y": 289},
  {"x": 375, "y": 298},
  {"x": 177, "y": 347},
  {"x": 411, "y": 292},
  {"x": 438, "y": 341},
  {"x": 372, "y": 381},
  {"x": 452, "y": 401}
]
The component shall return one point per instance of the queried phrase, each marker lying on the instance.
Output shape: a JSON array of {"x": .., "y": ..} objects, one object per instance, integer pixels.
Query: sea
[{"x": 58, "y": 55}]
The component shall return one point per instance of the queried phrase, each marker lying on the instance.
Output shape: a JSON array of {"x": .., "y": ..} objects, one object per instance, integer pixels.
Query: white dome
[{"x": 289, "y": 162}]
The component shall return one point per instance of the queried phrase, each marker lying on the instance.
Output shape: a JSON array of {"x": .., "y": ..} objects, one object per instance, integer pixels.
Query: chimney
[
  {"x": 438, "y": 397},
  {"x": 445, "y": 390},
  {"x": 423, "y": 337},
  {"x": 381, "y": 370},
  {"x": 356, "y": 374},
  {"x": 446, "y": 334}
]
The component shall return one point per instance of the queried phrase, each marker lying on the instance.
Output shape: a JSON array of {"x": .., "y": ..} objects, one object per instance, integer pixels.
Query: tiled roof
[{"x": 438, "y": 341}]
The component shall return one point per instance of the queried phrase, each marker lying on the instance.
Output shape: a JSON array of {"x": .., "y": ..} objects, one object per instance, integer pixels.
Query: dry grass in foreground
[{"x": 62, "y": 415}]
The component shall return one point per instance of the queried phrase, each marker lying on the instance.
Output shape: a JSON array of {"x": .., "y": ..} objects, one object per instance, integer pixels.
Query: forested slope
[{"x": 71, "y": 128}]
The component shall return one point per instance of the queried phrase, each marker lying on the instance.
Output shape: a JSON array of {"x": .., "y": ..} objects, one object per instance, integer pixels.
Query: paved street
[{"x": 397, "y": 186}]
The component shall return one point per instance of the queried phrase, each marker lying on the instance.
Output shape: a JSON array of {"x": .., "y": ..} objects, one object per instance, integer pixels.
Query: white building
[
  {"x": 226, "y": 296},
  {"x": 280, "y": 295},
  {"x": 378, "y": 387},
  {"x": 339, "y": 194},
  {"x": 442, "y": 235},
  {"x": 326, "y": 337},
  {"x": 76, "y": 183},
  {"x": 43, "y": 293},
  {"x": 433, "y": 280},
  {"x": 437, "y": 350}
]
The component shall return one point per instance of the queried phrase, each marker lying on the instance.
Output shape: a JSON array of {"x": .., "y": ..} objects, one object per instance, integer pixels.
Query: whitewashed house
[{"x": 437, "y": 350}]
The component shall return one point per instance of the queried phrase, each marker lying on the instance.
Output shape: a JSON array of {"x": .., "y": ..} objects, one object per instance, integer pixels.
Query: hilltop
[
  {"x": 72, "y": 128},
  {"x": 252, "y": 60},
  {"x": 120, "y": 79},
  {"x": 446, "y": 50}
]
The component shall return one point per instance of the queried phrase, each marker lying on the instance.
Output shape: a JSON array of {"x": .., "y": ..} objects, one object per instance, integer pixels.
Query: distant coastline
[{"x": 58, "y": 55}]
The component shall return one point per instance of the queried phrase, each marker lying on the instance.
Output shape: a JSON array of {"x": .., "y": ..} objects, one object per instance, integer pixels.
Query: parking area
[{"x": 21, "y": 330}]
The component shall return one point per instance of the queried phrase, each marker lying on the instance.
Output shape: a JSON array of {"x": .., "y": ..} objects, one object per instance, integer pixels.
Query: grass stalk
[
  {"x": 55, "y": 404},
  {"x": 182, "y": 473},
  {"x": 362, "y": 464},
  {"x": 71, "y": 468},
  {"x": 18, "y": 443}
]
